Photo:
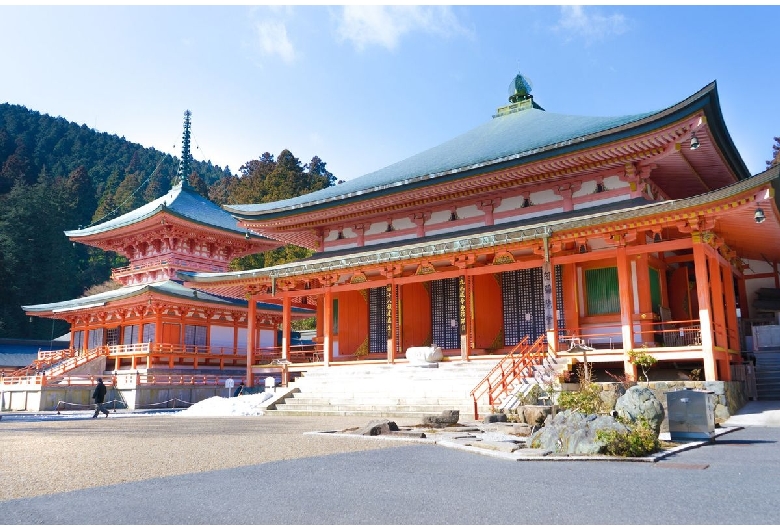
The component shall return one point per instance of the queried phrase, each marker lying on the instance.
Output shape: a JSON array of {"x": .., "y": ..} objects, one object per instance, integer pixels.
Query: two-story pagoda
[{"x": 153, "y": 321}]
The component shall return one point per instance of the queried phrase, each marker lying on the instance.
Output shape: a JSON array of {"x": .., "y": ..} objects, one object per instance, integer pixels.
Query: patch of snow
[{"x": 249, "y": 405}]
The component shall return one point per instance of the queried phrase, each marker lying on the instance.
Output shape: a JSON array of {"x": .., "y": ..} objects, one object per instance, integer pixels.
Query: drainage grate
[{"x": 670, "y": 465}]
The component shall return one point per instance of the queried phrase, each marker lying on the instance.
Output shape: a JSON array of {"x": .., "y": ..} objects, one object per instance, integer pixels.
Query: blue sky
[{"x": 365, "y": 87}]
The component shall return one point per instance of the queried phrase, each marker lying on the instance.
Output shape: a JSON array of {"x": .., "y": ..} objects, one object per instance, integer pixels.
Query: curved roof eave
[
  {"x": 582, "y": 132},
  {"x": 164, "y": 288},
  {"x": 490, "y": 237},
  {"x": 180, "y": 201}
]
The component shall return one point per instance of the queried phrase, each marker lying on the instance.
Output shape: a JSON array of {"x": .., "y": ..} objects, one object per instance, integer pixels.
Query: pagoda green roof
[
  {"x": 167, "y": 287},
  {"x": 181, "y": 201},
  {"x": 508, "y": 139}
]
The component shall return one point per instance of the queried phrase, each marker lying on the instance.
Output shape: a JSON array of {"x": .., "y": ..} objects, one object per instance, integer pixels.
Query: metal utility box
[{"x": 691, "y": 414}]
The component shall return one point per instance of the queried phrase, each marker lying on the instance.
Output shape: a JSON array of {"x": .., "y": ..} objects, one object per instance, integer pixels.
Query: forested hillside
[{"x": 56, "y": 175}]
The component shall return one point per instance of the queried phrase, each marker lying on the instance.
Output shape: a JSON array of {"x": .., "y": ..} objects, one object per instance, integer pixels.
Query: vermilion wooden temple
[
  {"x": 639, "y": 231},
  {"x": 621, "y": 233}
]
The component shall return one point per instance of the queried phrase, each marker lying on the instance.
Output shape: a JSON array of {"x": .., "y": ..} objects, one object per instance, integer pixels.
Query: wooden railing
[
  {"x": 515, "y": 365},
  {"x": 52, "y": 365},
  {"x": 664, "y": 334}
]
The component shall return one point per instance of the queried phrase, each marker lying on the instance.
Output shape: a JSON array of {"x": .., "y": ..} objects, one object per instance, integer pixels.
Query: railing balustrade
[{"x": 513, "y": 367}]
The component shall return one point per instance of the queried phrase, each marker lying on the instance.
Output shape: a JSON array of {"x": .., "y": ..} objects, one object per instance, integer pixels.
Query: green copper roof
[
  {"x": 182, "y": 201},
  {"x": 167, "y": 287},
  {"x": 510, "y": 138},
  {"x": 507, "y": 137}
]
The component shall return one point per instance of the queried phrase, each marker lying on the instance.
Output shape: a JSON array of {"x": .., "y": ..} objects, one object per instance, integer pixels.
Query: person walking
[{"x": 99, "y": 395}]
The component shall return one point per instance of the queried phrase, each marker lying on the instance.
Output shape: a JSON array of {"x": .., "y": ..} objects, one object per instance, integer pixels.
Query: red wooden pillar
[
  {"x": 718, "y": 308},
  {"x": 626, "y": 307},
  {"x": 571, "y": 312},
  {"x": 645, "y": 299},
  {"x": 286, "y": 326},
  {"x": 251, "y": 322},
  {"x": 392, "y": 312},
  {"x": 732, "y": 324},
  {"x": 744, "y": 311},
  {"x": 705, "y": 308},
  {"x": 327, "y": 326}
]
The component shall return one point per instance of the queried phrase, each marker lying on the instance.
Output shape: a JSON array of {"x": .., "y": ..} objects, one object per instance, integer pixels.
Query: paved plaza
[{"x": 276, "y": 471}]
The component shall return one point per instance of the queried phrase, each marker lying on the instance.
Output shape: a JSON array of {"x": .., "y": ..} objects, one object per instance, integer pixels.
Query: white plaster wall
[
  {"x": 403, "y": 223},
  {"x": 544, "y": 196},
  {"x": 614, "y": 183},
  {"x": 376, "y": 228},
  {"x": 438, "y": 217},
  {"x": 343, "y": 246},
  {"x": 598, "y": 202},
  {"x": 469, "y": 211},
  {"x": 529, "y": 215},
  {"x": 509, "y": 203},
  {"x": 444, "y": 230}
]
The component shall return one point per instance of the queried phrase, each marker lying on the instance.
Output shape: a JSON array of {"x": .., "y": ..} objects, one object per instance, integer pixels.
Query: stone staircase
[
  {"x": 399, "y": 390},
  {"x": 548, "y": 372},
  {"x": 768, "y": 375}
]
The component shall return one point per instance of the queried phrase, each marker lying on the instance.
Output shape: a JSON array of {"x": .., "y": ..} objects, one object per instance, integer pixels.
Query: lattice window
[
  {"x": 377, "y": 320},
  {"x": 445, "y": 313},
  {"x": 523, "y": 297},
  {"x": 112, "y": 336}
]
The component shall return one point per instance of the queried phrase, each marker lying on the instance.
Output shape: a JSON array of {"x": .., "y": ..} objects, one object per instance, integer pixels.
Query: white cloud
[
  {"x": 272, "y": 38},
  {"x": 385, "y": 25},
  {"x": 575, "y": 22}
]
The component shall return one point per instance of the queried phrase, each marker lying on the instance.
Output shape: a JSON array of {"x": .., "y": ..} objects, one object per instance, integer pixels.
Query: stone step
[
  {"x": 361, "y": 413},
  {"x": 378, "y": 402},
  {"x": 416, "y": 409}
]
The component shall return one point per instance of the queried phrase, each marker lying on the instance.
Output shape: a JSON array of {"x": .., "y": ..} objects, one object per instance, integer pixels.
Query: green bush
[
  {"x": 532, "y": 397},
  {"x": 586, "y": 400},
  {"x": 640, "y": 440}
]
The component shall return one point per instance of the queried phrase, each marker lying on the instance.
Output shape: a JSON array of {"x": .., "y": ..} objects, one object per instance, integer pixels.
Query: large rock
[
  {"x": 447, "y": 417},
  {"x": 574, "y": 433},
  {"x": 535, "y": 414},
  {"x": 640, "y": 402},
  {"x": 377, "y": 428}
]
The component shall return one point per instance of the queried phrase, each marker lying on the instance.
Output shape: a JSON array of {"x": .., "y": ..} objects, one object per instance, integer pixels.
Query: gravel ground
[{"x": 43, "y": 457}]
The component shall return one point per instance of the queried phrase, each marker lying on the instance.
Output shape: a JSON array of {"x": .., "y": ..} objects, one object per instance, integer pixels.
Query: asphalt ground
[{"x": 733, "y": 480}]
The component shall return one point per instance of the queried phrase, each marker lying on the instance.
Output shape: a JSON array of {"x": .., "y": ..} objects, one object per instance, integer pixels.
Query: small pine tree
[{"x": 775, "y": 154}]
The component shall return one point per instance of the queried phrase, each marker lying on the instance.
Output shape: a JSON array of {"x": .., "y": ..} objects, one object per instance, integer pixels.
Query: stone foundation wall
[{"x": 730, "y": 396}]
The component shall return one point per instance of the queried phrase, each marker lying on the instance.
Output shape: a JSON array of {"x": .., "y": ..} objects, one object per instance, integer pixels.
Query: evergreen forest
[{"x": 56, "y": 175}]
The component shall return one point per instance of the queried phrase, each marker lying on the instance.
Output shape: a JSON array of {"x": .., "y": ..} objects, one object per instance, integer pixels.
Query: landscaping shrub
[{"x": 640, "y": 440}]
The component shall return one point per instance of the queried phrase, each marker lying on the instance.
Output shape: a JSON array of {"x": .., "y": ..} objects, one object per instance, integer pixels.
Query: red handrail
[{"x": 512, "y": 367}]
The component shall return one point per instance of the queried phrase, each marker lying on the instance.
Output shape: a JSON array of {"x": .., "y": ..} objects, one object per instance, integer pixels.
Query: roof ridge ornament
[
  {"x": 185, "y": 166},
  {"x": 520, "y": 97},
  {"x": 520, "y": 89}
]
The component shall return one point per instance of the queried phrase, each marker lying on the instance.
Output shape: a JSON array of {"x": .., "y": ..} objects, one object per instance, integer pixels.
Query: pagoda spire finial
[{"x": 185, "y": 167}]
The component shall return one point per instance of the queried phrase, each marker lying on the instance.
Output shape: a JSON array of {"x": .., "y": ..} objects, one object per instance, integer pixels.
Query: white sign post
[{"x": 229, "y": 385}]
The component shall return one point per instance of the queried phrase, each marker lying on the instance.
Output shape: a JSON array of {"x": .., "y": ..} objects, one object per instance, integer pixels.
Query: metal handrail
[{"x": 511, "y": 368}]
